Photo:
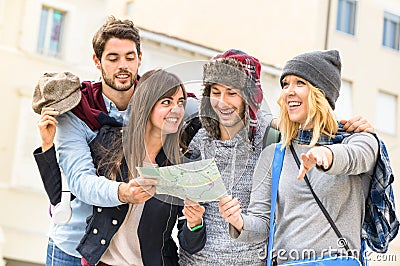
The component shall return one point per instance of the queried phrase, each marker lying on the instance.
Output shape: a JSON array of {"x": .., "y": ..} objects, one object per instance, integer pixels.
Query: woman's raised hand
[
  {"x": 47, "y": 127},
  {"x": 321, "y": 156}
]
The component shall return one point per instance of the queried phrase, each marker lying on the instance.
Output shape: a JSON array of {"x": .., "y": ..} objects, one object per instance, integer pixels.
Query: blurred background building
[{"x": 38, "y": 36}]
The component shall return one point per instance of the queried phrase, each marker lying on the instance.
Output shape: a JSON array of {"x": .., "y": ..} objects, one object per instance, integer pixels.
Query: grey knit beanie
[{"x": 320, "y": 68}]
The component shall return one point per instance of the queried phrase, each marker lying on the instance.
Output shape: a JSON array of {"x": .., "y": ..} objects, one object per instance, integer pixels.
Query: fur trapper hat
[{"x": 239, "y": 70}]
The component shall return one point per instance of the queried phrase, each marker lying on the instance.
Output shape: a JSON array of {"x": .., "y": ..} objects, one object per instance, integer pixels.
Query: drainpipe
[{"x": 328, "y": 15}]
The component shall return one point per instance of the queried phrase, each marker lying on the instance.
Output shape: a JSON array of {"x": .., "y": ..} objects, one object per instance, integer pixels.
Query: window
[
  {"x": 391, "y": 31},
  {"x": 344, "y": 106},
  {"x": 50, "y": 32},
  {"x": 346, "y": 16},
  {"x": 386, "y": 110}
]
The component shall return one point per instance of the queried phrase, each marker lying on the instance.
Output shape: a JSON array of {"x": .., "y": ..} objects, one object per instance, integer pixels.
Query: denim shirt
[{"x": 72, "y": 141}]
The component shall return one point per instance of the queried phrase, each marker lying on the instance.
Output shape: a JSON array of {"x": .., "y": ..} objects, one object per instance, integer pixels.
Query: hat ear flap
[{"x": 208, "y": 117}]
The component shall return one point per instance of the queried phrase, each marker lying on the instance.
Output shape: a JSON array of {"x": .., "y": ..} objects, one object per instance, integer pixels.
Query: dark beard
[{"x": 110, "y": 82}]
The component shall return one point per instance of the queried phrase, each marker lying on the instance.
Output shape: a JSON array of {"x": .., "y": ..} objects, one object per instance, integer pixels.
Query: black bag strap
[{"x": 321, "y": 206}]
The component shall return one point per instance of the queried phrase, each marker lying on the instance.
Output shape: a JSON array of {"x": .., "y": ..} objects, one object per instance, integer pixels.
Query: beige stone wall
[
  {"x": 24, "y": 206},
  {"x": 273, "y": 31}
]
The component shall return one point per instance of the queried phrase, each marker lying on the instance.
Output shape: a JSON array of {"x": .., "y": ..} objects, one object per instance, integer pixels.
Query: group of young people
[{"x": 126, "y": 121}]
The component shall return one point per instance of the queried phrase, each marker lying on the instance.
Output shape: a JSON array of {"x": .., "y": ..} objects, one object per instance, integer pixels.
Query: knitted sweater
[
  {"x": 236, "y": 161},
  {"x": 301, "y": 229}
]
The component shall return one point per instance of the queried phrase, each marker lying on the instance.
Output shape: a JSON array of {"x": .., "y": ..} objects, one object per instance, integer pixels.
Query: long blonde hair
[{"x": 320, "y": 114}]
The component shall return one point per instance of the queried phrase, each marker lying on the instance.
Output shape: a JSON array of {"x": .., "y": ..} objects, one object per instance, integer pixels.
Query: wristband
[{"x": 196, "y": 228}]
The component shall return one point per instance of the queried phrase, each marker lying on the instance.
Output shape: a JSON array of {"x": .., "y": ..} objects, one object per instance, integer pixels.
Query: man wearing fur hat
[{"x": 232, "y": 133}]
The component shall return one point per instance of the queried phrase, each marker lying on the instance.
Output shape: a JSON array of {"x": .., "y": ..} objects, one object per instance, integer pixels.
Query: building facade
[{"x": 38, "y": 36}]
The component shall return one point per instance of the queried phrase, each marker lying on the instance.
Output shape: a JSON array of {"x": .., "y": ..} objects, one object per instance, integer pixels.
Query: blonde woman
[{"x": 341, "y": 179}]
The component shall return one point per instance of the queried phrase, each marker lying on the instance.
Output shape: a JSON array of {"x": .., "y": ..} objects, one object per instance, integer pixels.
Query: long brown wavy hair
[{"x": 153, "y": 86}]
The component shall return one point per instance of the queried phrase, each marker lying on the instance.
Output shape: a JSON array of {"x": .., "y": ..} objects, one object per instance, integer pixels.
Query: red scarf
[{"x": 91, "y": 105}]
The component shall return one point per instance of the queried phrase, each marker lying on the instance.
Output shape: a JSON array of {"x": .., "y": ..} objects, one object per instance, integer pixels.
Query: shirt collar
[
  {"x": 109, "y": 104},
  {"x": 113, "y": 111},
  {"x": 305, "y": 136}
]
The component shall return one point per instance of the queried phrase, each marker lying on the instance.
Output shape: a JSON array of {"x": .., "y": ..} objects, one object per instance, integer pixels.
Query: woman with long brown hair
[{"x": 140, "y": 232}]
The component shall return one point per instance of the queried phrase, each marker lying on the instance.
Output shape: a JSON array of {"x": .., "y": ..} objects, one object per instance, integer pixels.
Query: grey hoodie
[{"x": 236, "y": 160}]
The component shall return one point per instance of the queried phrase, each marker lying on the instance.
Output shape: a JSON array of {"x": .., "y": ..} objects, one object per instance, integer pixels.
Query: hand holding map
[{"x": 198, "y": 181}]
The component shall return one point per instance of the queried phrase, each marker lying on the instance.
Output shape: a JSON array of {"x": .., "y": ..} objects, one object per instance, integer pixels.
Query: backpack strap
[
  {"x": 271, "y": 135},
  {"x": 342, "y": 240},
  {"x": 276, "y": 174}
]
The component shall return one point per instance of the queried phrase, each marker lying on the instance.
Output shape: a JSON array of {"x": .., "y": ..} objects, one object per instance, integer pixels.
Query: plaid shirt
[{"x": 380, "y": 224}]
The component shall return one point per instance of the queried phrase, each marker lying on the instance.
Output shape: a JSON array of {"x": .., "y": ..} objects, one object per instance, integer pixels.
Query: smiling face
[
  {"x": 167, "y": 114},
  {"x": 119, "y": 64},
  {"x": 228, "y": 104},
  {"x": 295, "y": 93}
]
